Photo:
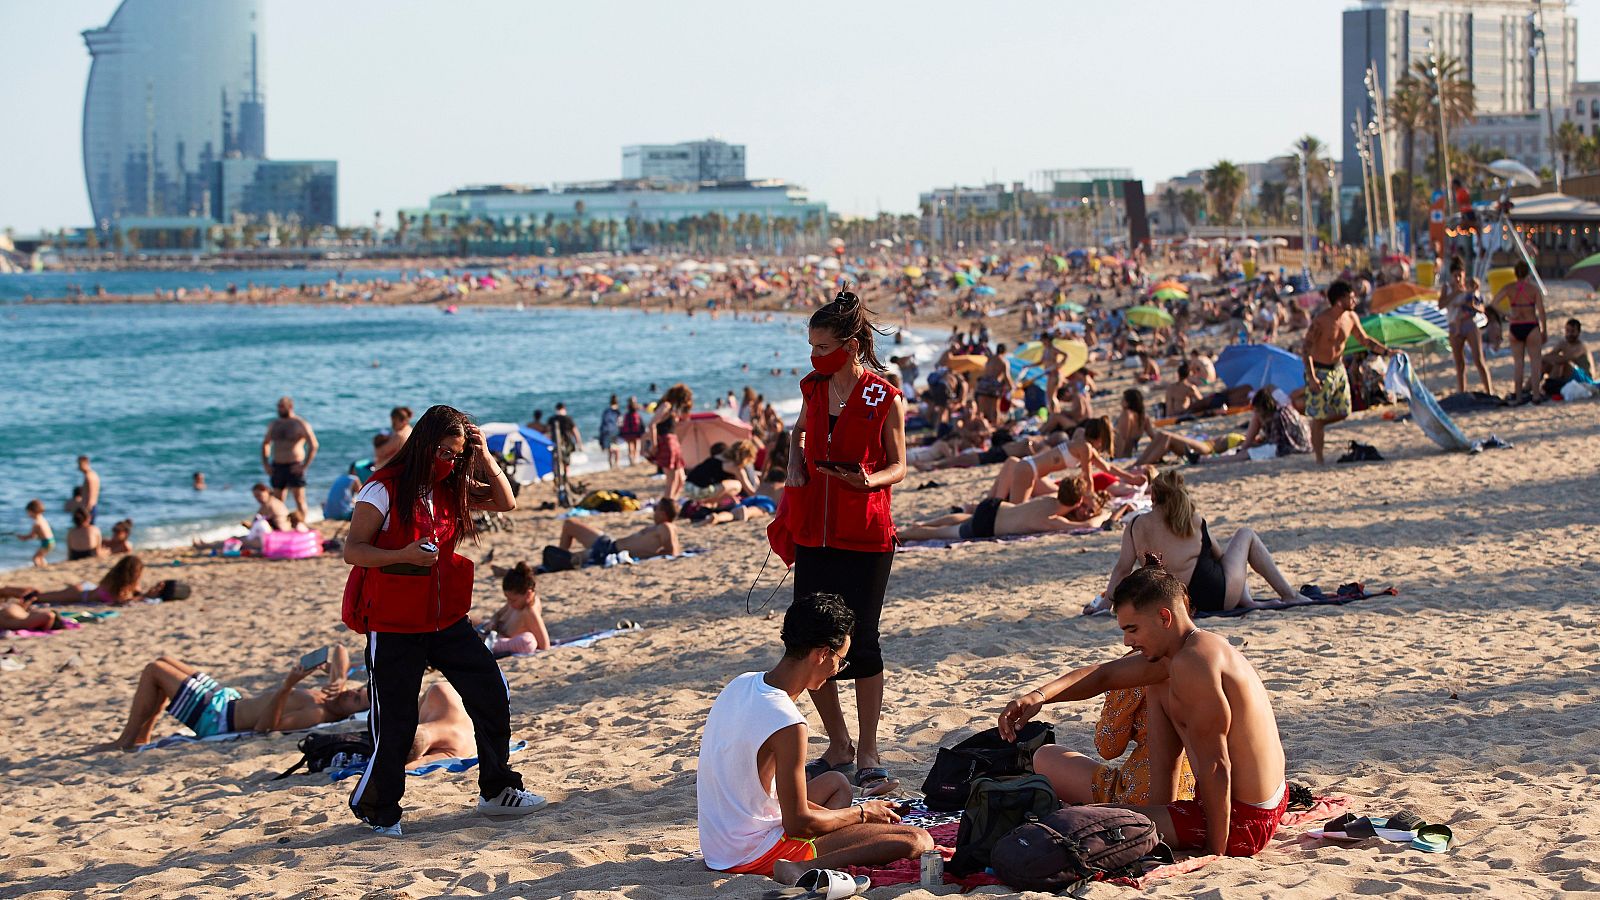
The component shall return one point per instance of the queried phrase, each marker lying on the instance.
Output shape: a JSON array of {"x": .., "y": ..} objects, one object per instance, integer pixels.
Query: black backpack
[
  {"x": 322, "y": 750},
  {"x": 1068, "y": 848},
  {"x": 555, "y": 559},
  {"x": 997, "y": 807},
  {"x": 984, "y": 755}
]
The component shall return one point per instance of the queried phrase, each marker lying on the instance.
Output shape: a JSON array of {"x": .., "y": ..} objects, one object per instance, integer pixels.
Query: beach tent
[
  {"x": 1260, "y": 364},
  {"x": 702, "y": 429},
  {"x": 534, "y": 453}
]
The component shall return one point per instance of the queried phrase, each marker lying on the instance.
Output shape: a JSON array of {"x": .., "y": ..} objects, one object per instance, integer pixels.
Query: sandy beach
[{"x": 1470, "y": 697}]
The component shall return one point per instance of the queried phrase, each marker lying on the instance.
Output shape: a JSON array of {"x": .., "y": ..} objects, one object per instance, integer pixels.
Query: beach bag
[
  {"x": 984, "y": 755},
  {"x": 1068, "y": 848},
  {"x": 995, "y": 808},
  {"x": 556, "y": 559},
  {"x": 331, "y": 751},
  {"x": 173, "y": 590}
]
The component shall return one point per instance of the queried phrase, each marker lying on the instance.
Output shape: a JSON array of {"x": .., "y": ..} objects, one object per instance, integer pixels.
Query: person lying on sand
[
  {"x": 1018, "y": 480},
  {"x": 1072, "y": 507},
  {"x": 758, "y": 814},
  {"x": 444, "y": 730},
  {"x": 660, "y": 539},
  {"x": 119, "y": 587},
  {"x": 18, "y": 611},
  {"x": 1217, "y": 576},
  {"x": 1205, "y": 700},
  {"x": 206, "y": 707}
]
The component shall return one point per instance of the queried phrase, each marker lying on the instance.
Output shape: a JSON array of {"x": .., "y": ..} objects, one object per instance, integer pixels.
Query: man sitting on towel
[
  {"x": 1072, "y": 507},
  {"x": 660, "y": 539},
  {"x": 1204, "y": 699},
  {"x": 198, "y": 701},
  {"x": 758, "y": 813}
]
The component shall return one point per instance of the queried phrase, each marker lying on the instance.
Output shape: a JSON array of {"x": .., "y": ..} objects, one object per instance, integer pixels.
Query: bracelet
[
  {"x": 1042, "y": 697},
  {"x": 863, "y": 814}
]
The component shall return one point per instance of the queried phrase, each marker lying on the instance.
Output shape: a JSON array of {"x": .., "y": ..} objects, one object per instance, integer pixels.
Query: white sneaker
[
  {"x": 511, "y": 802},
  {"x": 387, "y": 830}
]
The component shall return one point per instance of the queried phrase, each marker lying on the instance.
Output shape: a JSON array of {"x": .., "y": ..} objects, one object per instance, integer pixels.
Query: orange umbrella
[
  {"x": 1398, "y": 294},
  {"x": 1170, "y": 283}
]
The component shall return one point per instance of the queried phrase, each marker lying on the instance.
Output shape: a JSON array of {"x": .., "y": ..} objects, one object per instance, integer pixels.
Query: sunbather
[
  {"x": 19, "y": 612},
  {"x": 120, "y": 586},
  {"x": 1020, "y": 479},
  {"x": 1072, "y": 506},
  {"x": 198, "y": 701},
  {"x": 1217, "y": 576},
  {"x": 519, "y": 625},
  {"x": 660, "y": 539}
]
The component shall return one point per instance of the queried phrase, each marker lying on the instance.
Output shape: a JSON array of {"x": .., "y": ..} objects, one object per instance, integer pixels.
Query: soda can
[{"x": 932, "y": 869}]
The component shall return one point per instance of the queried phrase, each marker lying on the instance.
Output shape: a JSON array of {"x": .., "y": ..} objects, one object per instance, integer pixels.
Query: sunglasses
[
  {"x": 442, "y": 453},
  {"x": 839, "y": 658}
]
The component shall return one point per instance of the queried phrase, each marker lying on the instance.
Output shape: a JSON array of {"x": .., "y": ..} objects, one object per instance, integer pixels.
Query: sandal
[
  {"x": 819, "y": 767},
  {"x": 875, "y": 781},
  {"x": 831, "y": 884}
]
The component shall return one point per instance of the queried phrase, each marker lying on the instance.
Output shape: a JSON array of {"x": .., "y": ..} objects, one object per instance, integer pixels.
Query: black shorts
[
  {"x": 981, "y": 525},
  {"x": 283, "y": 476},
  {"x": 861, "y": 579}
]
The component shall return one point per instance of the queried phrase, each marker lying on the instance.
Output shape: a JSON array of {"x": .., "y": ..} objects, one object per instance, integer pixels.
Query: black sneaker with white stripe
[{"x": 510, "y": 802}]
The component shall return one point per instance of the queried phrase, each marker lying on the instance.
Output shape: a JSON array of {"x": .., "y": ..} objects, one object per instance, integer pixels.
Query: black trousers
[
  {"x": 860, "y": 579},
  {"x": 396, "y": 663}
]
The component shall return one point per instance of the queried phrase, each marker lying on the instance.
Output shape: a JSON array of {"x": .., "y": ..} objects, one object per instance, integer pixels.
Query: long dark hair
[
  {"x": 414, "y": 465},
  {"x": 847, "y": 318}
]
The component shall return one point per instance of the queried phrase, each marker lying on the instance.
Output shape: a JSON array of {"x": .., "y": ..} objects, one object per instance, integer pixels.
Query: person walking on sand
[
  {"x": 1327, "y": 384},
  {"x": 287, "y": 451},
  {"x": 409, "y": 592},
  {"x": 846, "y": 452},
  {"x": 611, "y": 433}
]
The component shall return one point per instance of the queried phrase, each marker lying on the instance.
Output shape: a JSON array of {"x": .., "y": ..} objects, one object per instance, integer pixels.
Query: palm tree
[
  {"x": 1569, "y": 137},
  {"x": 1192, "y": 204},
  {"x": 1225, "y": 185},
  {"x": 1410, "y": 109},
  {"x": 1448, "y": 90}
]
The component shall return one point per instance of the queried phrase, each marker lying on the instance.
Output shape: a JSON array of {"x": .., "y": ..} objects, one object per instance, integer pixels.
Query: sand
[{"x": 1470, "y": 698}]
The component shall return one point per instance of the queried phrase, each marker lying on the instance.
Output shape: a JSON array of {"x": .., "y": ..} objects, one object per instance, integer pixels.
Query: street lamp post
[
  {"x": 1305, "y": 218},
  {"x": 1444, "y": 137},
  {"x": 1338, "y": 207}
]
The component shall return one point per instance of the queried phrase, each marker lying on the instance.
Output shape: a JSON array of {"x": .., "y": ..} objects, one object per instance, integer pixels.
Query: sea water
[{"x": 154, "y": 393}]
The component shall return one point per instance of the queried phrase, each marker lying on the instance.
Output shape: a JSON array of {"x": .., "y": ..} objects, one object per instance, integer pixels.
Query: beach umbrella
[
  {"x": 1260, "y": 364},
  {"x": 1023, "y": 372},
  {"x": 1169, "y": 283},
  {"x": 1395, "y": 330},
  {"x": 604, "y": 280},
  {"x": 1075, "y": 354},
  {"x": 1587, "y": 270},
  {"x": 1386, "y": 298},
  {"x": 1110, "y": 260},
  {"x": 829, "y": 263},
  {"x": 912, "y": 271},
  {"x": 1079, "y": 253},
  {"x": 687, "y": 265},
  {"x": 1427, "y": 311},
  {"x": 1148, "y": 316},
  {"x": 717, "y": 268},
  {"x": 584, "y": 270},
  {"x": 835, "y": 242},
  {"x": 1250, "y": 243},
  {"x": 1171, "y": 294},
  {"x": 1061, "y": 262}
]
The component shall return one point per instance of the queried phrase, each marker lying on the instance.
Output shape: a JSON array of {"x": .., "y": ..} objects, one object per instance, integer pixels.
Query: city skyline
[{"x": 911, "y": 97}]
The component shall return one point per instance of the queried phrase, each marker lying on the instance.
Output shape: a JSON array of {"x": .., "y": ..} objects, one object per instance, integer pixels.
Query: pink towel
[
  {"x": 66, "y": 625},
  {"x": 522, "y": 643}
]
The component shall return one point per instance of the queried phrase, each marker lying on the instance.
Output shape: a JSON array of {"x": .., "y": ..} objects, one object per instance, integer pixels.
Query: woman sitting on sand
[
  {"x": 1132, "y": 424},
  {"x": 120, "y": 541},
  {"x": 1217, "y": 576},
  {"x": 725, "y": 475},
  {"x": 83, "y": 540},
  {"x": 1077, "y": 778},
  {"x": 119, "y": 587}
]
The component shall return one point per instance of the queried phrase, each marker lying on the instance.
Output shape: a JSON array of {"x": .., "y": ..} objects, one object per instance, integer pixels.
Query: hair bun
[
  {"x": 1153, "y": 559},
  {"x": 847, "y": 298}
]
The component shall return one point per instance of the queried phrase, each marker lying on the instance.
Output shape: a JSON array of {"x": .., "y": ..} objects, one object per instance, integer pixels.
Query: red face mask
[
  {"x": 829, "y": 363},
  {"x": 442, "y": 469}
]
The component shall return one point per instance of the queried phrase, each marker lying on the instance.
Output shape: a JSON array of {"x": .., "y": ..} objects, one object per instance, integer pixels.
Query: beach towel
[
  {"x": 66, "y": 625},
  {"x": 627, "y": 560},
  {"x": 453, "y": 764},
  {"x": 175, "y": 740},
  {"x": 582, "y": 641},
  {"x": 1403, "y": 383},
  {"x": 1347, "y": 593}
]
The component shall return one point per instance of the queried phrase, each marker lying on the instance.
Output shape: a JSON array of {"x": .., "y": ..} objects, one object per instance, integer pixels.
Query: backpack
[
  {"x": 321, "y": 750},
  {"x": 997, "y": 807},
  {"x": 555, "y": 559},
  {"x": 985, "y": 754},
  {"x": 1068, "y": 848}
]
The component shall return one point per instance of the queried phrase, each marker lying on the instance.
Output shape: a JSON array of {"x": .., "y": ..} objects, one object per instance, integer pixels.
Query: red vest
[
  {"x": 826, "y": 513},
  {"x": 378, "y": 600}
]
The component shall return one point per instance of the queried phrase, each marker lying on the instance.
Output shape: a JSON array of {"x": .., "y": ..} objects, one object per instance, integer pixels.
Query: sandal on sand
[
  {"x": 819, "y": 767},
  {"x": 875, "y": 781},
  {"x": 831, "y": 884},
  {"x": 1433, "y": 838}
]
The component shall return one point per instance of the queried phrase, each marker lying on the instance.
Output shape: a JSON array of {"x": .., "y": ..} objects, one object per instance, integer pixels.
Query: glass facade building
[
  {"x": 687, "y": 163},
  {"x": 174, "y": 88},
  {"x": 301, "y": 190}
]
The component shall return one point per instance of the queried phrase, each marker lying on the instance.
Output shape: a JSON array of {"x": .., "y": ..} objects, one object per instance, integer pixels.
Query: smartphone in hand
[{"x": 314, "y": 658}]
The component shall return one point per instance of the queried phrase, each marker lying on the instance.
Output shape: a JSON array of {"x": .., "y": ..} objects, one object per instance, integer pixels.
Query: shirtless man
[
  {"x": 1204, "y": 699},
  {"x": 1567, "y": 354},
  {"x": 1070, "y": 508},
  {"x": 287, "y": 451},
  {"x": 660, "y": 539},
  {"x": 1327, "y": 385},
  {"x": 389, "y": 444},
  {"x": 1183, "y": 394},
  {"x": 91, "y": 487},
  {"x": 198, "y": 701}
]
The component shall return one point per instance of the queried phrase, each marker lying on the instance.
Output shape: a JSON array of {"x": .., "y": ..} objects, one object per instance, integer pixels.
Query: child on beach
[
  {"x": 519, "y": 625},
  {"x": 39, "y": 532}
]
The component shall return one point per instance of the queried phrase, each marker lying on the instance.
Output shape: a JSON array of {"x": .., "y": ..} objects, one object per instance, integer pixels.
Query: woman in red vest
[
  {"x": 846, "y": 451},
  {"x": 409, "y": 593}
]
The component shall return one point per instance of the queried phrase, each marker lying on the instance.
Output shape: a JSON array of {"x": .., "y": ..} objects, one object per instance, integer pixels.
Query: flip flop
[
  {"x": 875, "y": 781},
  {"x": 831, "y": 884},
  {"x": 1433, "y": 838},
  {"x": 818, "y": 767}
]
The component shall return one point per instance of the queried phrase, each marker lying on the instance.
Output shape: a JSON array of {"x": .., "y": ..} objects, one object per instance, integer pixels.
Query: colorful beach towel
[
  {"x": 453, "y": 764},
  {"x": 1402, "y": 382},
  {"x": 66, "y": 625},
  {"x": 174, "y": 740}
]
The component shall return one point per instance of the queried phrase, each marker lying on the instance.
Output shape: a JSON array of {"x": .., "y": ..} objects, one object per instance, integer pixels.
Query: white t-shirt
[
  {"x": 375, "y": 493},
  {"x": 740, "y": 819}
]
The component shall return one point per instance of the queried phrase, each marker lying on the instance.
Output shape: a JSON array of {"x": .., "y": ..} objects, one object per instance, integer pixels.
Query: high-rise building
[
  {"x": 174, "y": 87},
  {"x": 692, "y": 161},
  {"x": 1498, "y": 45},
  {"x": 304, "y": 191}
]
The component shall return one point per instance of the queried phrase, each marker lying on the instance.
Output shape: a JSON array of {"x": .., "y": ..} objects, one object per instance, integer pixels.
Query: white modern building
[{"x": 686, "y": 163}]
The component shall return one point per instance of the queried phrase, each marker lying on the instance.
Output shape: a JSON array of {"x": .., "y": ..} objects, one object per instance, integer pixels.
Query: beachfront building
[
  {"x": 174, "y": 93},
  {"x": 1061, "y": 206},
  {"x": 690, "y": 162},
  {"x": 258, "y": 190},
  {"x": 1508, "y": 49},
  {"x": 617, "y": 215}
]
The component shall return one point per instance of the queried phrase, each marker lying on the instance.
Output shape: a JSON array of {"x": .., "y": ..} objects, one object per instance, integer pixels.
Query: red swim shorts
[
  {"x": 786, "y": 850},
  {"x": 1250, "y": 828}
]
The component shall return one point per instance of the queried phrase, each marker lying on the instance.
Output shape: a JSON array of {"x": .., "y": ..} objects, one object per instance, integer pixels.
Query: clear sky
[{"x": 866, "y": 103}]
